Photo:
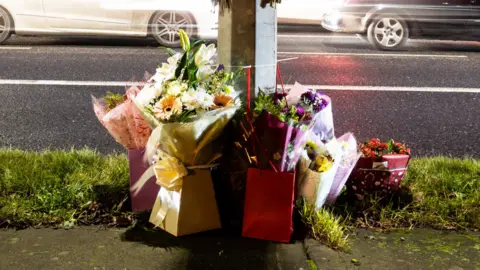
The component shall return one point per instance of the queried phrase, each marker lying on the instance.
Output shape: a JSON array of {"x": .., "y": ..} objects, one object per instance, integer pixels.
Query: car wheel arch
[{"x": 382, "y": 11}]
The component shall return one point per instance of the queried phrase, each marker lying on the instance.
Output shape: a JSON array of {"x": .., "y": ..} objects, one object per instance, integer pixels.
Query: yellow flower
[
  {"x": 167, "y": 107},
  {"x": 323, "y": 163},
  {"x": 311, "y": 147},
  {"x": 221, "y": 101}
]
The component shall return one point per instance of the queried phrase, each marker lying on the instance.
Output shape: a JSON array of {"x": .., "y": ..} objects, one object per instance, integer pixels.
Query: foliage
[
  {"x": 113, "y": 100},
  {"x": 57, "y": 187},
  {"x": 438, "y": 192},
  {"x": 324, "y": 225}
]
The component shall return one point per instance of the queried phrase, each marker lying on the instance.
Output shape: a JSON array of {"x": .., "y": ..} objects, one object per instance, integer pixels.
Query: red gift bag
[
  {"x": 144, "y": 200},
  {"x": 382, "y": 175},
  {"x": 269, "y": 203}
]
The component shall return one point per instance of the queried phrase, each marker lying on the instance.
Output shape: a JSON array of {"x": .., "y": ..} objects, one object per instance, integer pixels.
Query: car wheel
[
  {"x": 388, "y": 33},
  {"x": 5, "y": 25},
  {"x": 166, "y": 24}
]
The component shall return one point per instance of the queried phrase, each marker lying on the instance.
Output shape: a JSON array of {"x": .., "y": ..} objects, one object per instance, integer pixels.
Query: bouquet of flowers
[
  {"x": 317, "y": 169},
  {"x": 277, "y": 139},
  {"x": 345, "y": 165},
  {"x": 119, "y": 115},
  {"x": 282, "y": 122},
  {"x": 188, "y": 103},
  {"x": 323, "y": 127},
  {"x": 381, "y": 168}
]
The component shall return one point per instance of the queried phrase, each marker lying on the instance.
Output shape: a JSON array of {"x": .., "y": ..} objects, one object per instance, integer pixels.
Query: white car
[{"x": 136, "y": 18}]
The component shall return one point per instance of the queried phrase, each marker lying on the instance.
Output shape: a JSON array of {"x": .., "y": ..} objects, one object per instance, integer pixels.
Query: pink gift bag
[{"x": 145, "y": 199}]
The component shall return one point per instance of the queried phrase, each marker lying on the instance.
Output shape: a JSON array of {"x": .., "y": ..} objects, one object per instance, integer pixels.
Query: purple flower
[
  {"x": 220, "y": 67},
  {"x": 300, "y": 111},
  {"x": 308, "y": 97}
]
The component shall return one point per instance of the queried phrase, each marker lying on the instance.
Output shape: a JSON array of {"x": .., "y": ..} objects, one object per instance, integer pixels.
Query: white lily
[
  {"x": 167, "y": 70},
  {"x": 204, "y": 72},
  {"x": 204, "y": 55},
  {"x": 148, "y": 93}
]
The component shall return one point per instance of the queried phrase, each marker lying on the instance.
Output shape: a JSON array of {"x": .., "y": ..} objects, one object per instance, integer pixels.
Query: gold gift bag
[{"x": 187, "y": 208}]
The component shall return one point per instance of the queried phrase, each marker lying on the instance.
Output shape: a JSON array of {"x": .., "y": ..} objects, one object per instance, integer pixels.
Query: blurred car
[
  {"x": 136, "y": 18},
  {"x": 388, "y": 24},
  {"x": 303, "y": 12}
]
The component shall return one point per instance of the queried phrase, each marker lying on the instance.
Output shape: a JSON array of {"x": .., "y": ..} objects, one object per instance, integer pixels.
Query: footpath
[{"x": 100, "y": 248}]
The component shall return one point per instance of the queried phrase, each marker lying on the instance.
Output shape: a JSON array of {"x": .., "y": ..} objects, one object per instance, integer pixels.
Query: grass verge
[
  {"x": 85, "y": 187},
  {"x": 324, "y": 226},
  {"x": 438, "y": 192},
  {"x": 61, "y": 187}
]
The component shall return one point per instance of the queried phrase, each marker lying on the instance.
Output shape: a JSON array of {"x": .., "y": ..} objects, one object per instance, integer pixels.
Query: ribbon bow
[{"x": 169, "y": 172}]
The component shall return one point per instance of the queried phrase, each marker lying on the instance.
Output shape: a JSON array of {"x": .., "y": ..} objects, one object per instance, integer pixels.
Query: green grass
[
  {"x": 324, "y": 226},
  {"x": 438, "y": 192},
  {"x": 83, "y": 186},
  {"x": 54, "y": 187}
]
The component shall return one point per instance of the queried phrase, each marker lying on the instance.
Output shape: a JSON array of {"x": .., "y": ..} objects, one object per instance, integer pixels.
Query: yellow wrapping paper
[{"x": 186, "y": 202}]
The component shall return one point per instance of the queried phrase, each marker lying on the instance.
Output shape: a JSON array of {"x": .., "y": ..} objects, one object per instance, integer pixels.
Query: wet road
[{"x": 427, "y": 95}]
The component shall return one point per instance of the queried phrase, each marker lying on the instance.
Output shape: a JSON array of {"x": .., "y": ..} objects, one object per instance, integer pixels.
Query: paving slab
[
  {"x": 99, "y": 248},
  {"x": 419, "y": 249}
]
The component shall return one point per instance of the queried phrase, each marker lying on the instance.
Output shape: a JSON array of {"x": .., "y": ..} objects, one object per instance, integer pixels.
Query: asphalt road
[{"x": 427, "y": 95}]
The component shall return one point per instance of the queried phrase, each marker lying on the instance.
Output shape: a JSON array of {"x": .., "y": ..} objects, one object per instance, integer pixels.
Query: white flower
[
  {"x": 148, "y": 93},
  {"x": 166, "y": 107},
  {"x": 189, "y": 99},
  {"x": 167, "y": 70},
  {"x": 205, "y": 100},
  {"x": 175, "y": 88},
  {"x": 204, "y": 55},
  {"x": 204, "y": 73},
  {"x": 197, "y": 99}
]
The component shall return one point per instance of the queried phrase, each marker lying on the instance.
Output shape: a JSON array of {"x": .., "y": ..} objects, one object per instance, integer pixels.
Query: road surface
[{"x": 427, "y": 95}]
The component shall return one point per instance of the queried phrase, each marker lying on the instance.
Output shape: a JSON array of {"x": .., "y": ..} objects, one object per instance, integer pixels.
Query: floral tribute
[
  {"x": 187, "y": 86},
  {"x": 119, "y": 115},
  {"x": 381, "y": 169},
  {"x": 282, "y": 121},
  {"x": 375, "y": 148},
  {"x": 172, "y": 122},
  {"x": 188, "y": 103}
]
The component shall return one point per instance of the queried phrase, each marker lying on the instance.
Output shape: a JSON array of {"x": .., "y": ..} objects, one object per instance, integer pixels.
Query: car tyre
[
  {"x": 6, "y": 25},
  {"x": 388, "y": 32},
  {"x": 166, "y": 24}
]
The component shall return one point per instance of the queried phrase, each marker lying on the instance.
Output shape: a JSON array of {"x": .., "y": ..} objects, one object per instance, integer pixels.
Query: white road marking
[
  {"x": 328, "y": 54},
  {"x": 392, "y": 88},
  {"x": 14, "y": 48},
  {"x": 318, "y": 36},
  {"x": 67, "y": 83},
  {"x": 319, "y": 87}
]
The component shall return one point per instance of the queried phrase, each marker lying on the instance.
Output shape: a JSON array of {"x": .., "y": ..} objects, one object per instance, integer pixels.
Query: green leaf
[
  {"x": 170, "y": 51},
  {"x": 197, "y": 42},
  {"x": 181, "y": 65},
  {"x": 113, "y": 100}
]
